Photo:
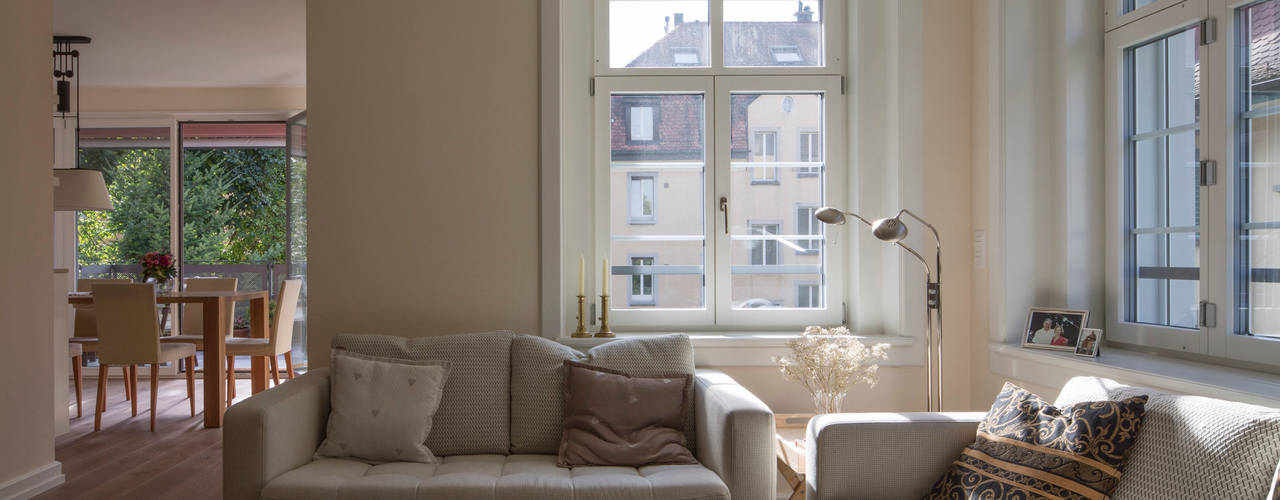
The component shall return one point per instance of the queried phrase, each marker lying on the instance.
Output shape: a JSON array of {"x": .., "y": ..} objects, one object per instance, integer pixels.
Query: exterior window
[
  {"x": 808, "y": 230},
  {"x": 786, "y": 55},
  {"x": 641, "y": 124},
  {"x": 640, "y": 199},
  {"x": 642, "y": 282},
  {"x": 808, "y": 295},
  {"x": 764, "y": 244},
  {"x": 685, "y": 56},
  {"x": 1163, "y": 234},
  {"x": 764, "y": 149},
  {"x": 810, "y": 152}
]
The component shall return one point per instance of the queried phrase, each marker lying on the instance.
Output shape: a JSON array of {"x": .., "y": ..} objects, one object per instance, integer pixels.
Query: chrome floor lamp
[{"x": 893, "y": 230}]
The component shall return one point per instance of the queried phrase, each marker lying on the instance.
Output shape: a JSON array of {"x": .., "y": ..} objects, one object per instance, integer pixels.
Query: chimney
[
  {"x": 679, "y": 18},
  {"x": 666, "y": 24},
  {"x": 803, "y": 14}
]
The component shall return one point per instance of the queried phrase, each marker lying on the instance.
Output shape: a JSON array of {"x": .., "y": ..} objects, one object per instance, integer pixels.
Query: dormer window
[
  {"x": 684, "y": 56},
  {"x": 786, "y": 55}
]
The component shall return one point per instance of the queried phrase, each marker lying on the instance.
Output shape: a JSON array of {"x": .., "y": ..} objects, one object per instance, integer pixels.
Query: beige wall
[
  {"x": 193, "y": 99},
  {"x": 423, "y": 134},
  {"x": 26, "y": 238}
]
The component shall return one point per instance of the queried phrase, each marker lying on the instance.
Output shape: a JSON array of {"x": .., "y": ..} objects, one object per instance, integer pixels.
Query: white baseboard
[{"x": 33, "y": 483}]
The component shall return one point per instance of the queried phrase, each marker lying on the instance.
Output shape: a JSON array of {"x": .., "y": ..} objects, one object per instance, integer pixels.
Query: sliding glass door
[
  {"x": 296, "y": 255},
  {"x": 135, "y": 163}
]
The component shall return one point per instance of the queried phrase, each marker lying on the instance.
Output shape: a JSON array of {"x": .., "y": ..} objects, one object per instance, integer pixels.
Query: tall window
[
  {"x": 642, "y": 282},
  {"x": 723, "y": 119},
  {"x": 135, "y": 164},
  {"x": 1191, "y": 158},
  {"x": 641, "y": 204},
  {"x": 764, "y": 150},
  {"x": 810, "y": 153}
]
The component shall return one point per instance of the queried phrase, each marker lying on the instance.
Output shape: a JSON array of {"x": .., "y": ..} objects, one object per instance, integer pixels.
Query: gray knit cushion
[
  {"x": 474, "y": 413},
  {"x": 1191, "y": 446},
  {"x": 537, "y": 403}
]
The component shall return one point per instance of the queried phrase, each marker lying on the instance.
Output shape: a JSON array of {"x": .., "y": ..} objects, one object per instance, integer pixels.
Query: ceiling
[{"x": 188, "y": 43}]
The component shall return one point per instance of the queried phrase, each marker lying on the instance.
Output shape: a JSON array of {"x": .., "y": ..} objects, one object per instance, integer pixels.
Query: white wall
[
  {"x": 26, "y": 247},
  {"x": 1037, "y": 168}
]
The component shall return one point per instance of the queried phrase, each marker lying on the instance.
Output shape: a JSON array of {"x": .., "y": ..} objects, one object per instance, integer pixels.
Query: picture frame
[
  {"x": 1090, "y": 343},
  {"x": 1054, "y": 329}
]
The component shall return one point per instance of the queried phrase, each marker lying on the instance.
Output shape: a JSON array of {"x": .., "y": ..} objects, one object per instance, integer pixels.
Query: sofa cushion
[
  {"x": 1191, "y": 446},
  {"x": 465, "y": 477},
  {"x": 612, "y": 418},
  {"x": 537, "y": 364},
  {"x": 474, "y": 413}
]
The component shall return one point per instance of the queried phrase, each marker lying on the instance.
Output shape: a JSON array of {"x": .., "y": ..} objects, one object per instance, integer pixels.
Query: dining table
[{"x": 215, "y": 329}]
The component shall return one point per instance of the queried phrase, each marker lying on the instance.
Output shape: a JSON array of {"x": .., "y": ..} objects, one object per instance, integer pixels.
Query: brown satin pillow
[{"x": 611, "y": 418}]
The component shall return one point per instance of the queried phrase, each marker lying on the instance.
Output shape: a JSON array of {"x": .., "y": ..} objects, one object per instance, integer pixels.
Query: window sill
[
  {"x": 752, "y": 349},
  {"x": 1052, "y": 369}
]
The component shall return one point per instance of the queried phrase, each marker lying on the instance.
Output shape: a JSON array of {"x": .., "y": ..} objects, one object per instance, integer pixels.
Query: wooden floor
[{"x": 181, "y": 460}]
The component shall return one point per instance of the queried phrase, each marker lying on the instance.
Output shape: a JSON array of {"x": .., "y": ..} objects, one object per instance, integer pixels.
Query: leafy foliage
[{"x": 235, "y": 206}]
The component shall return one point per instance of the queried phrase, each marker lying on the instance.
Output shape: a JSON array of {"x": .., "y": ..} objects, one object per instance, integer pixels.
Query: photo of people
[
  {"x": 1090, "y": 343},
  {"x": 1057, "y": 329}
]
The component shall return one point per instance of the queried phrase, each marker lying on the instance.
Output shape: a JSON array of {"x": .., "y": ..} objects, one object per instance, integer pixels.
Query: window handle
[{"x": 724, "y": 207}]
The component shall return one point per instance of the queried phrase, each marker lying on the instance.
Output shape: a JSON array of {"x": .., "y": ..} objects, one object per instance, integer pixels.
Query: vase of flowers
[
  {"x": 829, "y": 362},
  {"x": 158, "y": 269}
]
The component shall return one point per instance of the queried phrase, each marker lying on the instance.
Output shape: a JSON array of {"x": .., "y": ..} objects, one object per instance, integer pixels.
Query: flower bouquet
[
  {"x": 158, "y": 268},
  {"x": 828, "y": 362}
]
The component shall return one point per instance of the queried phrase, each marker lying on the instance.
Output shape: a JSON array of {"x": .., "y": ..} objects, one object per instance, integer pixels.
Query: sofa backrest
[
  {"x": 1190, "y": 446},
  {"x": 474, "y": 414},
  {"x": 537, "y": 397}
]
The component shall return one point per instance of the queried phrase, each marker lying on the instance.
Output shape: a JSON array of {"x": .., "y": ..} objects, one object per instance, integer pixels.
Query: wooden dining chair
[
  {"x": 85, "y": 332},
  {"x": 129, "y": 335},
  {"x": 279, "y": 340},
  {"x": 77, "y": 354},
  {"x": 193, "y": 314}
]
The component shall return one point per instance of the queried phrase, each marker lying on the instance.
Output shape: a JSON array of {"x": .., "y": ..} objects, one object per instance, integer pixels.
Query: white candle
[
  {"x": 582, "y": 270},
  {"x": 604, "y": 280}
]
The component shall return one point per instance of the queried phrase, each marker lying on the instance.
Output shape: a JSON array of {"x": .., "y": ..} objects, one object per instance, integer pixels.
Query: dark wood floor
[{"x": 181, "y": 459}]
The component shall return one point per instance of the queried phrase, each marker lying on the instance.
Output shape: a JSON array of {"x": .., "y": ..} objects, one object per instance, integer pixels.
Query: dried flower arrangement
[{"x": 828, "y": 362}]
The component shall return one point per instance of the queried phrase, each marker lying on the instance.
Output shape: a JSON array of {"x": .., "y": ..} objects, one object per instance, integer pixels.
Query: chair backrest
[
  {"x": 286, "y": 307},
  {"x": 193, "y": 314},
  {"x": 128, "y": 330},
  {"x": 86, "y": 324}
]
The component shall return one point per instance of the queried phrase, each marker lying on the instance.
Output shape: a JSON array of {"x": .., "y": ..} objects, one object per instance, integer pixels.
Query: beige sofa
[
  {"x": 1189, "y": 447},
  {"x": 498, "y": 429}
]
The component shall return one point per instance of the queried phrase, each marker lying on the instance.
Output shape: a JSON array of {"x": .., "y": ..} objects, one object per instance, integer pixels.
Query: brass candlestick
[
  {"x": 604, "y": 332},
  {"x": 581, "y": 332}
]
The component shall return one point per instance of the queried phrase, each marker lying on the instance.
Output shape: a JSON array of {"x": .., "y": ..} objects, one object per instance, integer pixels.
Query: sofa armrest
[
  {"x": 273, "y": 432},
  {"x": 883, "y": 455},
  {"x": 735, "y": 436}
]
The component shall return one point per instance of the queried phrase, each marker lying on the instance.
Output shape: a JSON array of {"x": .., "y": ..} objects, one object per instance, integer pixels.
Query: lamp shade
[
  {"x": 891, "y": 229},
  {"x": 80, "y": 189}
]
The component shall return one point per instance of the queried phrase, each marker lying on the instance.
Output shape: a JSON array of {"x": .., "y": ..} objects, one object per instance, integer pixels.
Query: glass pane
[
  {"x": 657, "y": 206},
  {"x": 1258, "y": 171},
  {"x": 1163, "y": 155},
  {"x": 297, "y": 253},
  {"x": 658, "y": 34},
  {"x": 1127, "y": 6},
  {"x": 777, "y": 246},
  {"x": 135, "y": 164},
  {"x": 234, "y": 194},
  {"x": 772, "y": 33}
]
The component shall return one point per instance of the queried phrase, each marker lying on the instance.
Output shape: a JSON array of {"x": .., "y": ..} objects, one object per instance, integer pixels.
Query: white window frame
[
  {"x": 764, "y": 175},
  {"x": 766, "y": 243},
  {"x": 718, "y": 313},
  {"x": 1218, "y": 114},
  {"x": 814, "y": 228},
  {"x": 808, "y": 138}
]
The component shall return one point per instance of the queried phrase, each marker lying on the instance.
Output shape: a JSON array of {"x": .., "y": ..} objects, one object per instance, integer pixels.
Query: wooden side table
[{"x": 790, "y": 428}]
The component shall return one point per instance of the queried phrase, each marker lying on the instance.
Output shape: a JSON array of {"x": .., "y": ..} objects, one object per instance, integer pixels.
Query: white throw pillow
[{"x": 380, "y": 409}]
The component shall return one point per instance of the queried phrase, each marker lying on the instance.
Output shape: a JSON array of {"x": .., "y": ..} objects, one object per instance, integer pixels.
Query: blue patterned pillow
[{"x": 1028, "y": 449}]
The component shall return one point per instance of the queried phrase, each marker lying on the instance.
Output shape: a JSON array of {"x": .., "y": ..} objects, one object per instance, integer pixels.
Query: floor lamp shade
[{"x": 80, "y": 189}]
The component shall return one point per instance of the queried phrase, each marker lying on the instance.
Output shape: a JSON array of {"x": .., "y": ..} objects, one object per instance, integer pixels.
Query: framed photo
[
  {"x": 1090, "y": 343},
  {"x": 1054, "y": 329}
]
